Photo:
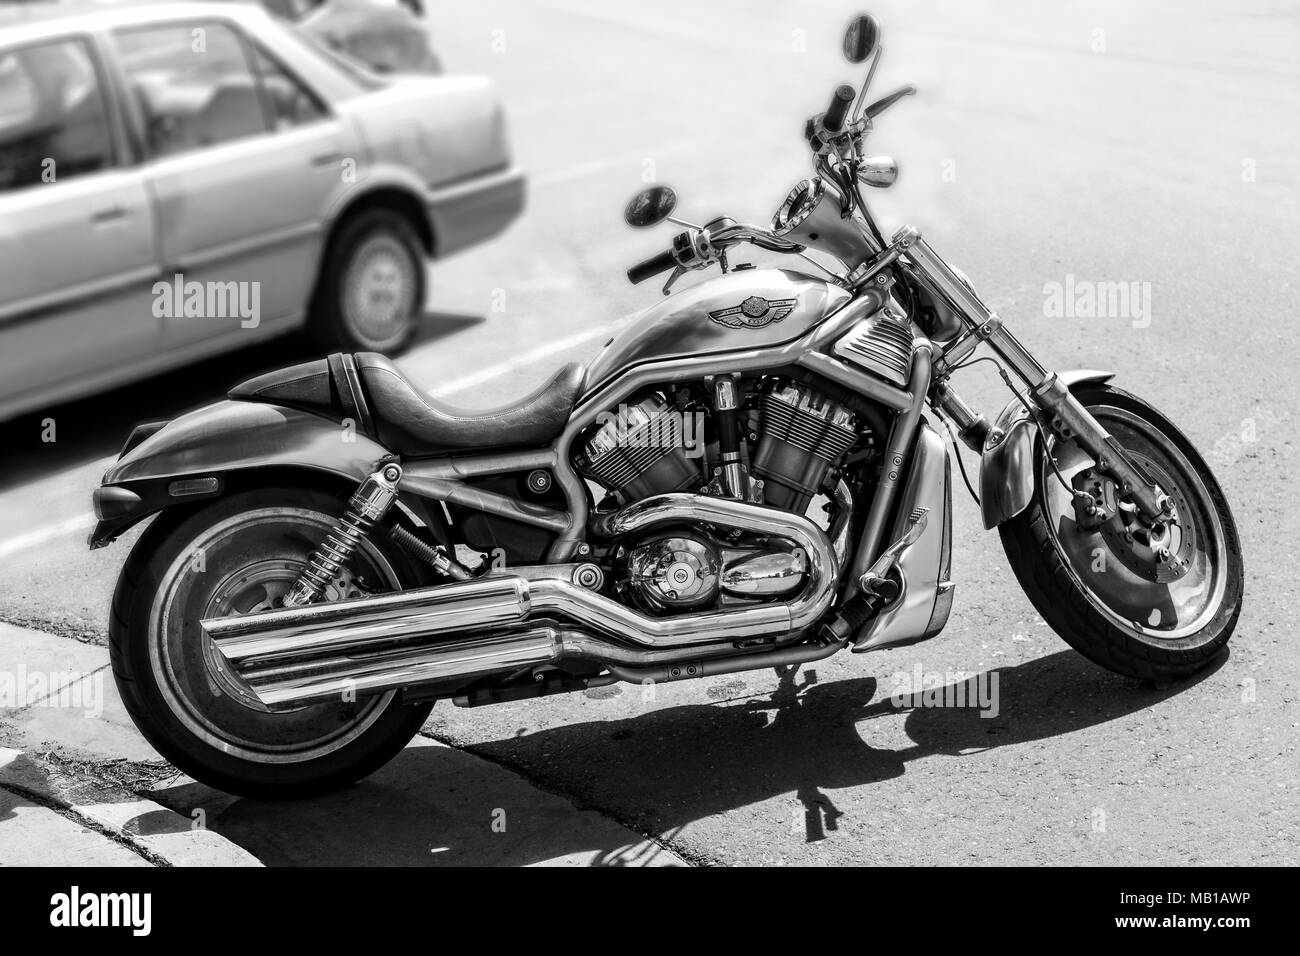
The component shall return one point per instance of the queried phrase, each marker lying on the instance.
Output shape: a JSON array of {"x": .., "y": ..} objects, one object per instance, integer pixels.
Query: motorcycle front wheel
[
  {"x": 240, "y": 555},
  {"x": 1152, "y": 603}
]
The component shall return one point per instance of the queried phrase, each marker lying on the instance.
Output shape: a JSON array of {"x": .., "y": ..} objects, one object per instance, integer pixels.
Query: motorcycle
[{"x": 743, "y": 478}]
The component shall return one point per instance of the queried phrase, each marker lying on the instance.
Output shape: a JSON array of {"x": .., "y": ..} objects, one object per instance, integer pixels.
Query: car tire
[{"x": 372, "y": 287}]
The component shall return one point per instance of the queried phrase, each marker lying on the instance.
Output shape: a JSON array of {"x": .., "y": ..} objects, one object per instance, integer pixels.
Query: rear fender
[
  {"x": 1007, "y": 463},
  {"x": 194, "y": 457}
]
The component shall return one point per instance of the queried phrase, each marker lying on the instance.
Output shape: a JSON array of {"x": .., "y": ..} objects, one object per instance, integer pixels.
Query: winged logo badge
[{"x": 755, "y": 312}]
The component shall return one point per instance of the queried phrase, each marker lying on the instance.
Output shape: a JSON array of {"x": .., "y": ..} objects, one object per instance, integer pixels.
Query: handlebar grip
[
  {"x": 839, "y": 108},
  {"x": 651, "y": 267}
]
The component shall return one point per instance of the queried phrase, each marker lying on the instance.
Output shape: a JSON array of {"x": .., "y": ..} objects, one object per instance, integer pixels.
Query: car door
[
  {"x": 77, "y": 254},
  {"x": 242, "y": 160}
]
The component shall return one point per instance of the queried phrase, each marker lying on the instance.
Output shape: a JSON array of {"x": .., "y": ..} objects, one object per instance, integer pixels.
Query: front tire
[
  {"x": 236, "y": 556},
  {"x": 1151, "y": 607}
]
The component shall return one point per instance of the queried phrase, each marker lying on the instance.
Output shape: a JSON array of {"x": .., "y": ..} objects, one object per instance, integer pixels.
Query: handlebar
[
  {"x": 844, "y": 96},
  {"x": 698, "y": 247},
  {"x": 652, "y": 267}
]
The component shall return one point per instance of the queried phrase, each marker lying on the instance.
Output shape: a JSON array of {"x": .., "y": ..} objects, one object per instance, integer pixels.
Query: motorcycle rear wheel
[
  {"x": 237, "y": 556},
  {"x": 1109, "y": 592}
]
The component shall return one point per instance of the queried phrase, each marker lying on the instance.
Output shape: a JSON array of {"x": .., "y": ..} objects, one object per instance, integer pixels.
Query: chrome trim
[
  {"x": 1006, "y": 477},
  {"x": 689, "y": 368},
  {"x": 962, "y": 296},
  {"x": 897, "y": 449},
  {"x": 342, "y": 678},
  {"x": 878, "y": 171},
  {"x": 881, "y": 345},
  {"x": 478, "y": 465},
  {"x": 923, "y": 565},
  {"x": 316, "y": 651},
  {"x": 856, "y": 380},
  {"x": 763, "y": 574},
  {"x": 319, "y": 629},
  {"x": 489, "y": 502},
  {"x": 461, "y": 661}
]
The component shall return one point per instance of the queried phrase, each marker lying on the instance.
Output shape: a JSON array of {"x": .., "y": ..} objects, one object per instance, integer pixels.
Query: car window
[
  {"x": 292, "y": 9},
  {"x": 358, "y": 73},
  {"x": 193, "y": 85},
  {"x": 53, "y": 120},
  {"x": 292, "y": 104}
]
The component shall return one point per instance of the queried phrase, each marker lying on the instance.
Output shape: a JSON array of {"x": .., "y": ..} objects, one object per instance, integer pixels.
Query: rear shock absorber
[{"x": 368, "y": 505}]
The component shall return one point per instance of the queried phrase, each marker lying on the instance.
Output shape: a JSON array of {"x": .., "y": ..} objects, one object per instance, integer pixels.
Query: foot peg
[
  {"x": 876, "y": 577},
  {"x": 877, "y": 588}
]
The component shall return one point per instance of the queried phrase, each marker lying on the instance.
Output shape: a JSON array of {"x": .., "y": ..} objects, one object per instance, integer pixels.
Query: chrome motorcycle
[{"x": 744, "y": 478}]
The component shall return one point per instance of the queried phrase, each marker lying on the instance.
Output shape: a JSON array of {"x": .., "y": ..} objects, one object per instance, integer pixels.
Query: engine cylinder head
[
  {"x": 641, "y": 450},
  {"x": 803, "y": 435}
]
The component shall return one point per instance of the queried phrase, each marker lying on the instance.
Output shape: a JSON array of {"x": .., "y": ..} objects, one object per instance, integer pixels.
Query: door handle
[
  {"x": 108, "y": 214},
  {"x": 326, "y": 159}
]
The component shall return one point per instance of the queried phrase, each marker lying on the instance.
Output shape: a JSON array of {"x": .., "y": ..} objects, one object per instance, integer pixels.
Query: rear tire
[
  {"x": 1095, "y": 592},
  {"x": 371, "y": 290},
  {"x": 191, "y": 708}
]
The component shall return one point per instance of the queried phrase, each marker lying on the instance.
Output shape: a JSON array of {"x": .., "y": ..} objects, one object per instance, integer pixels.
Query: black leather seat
[
  {"x": 367, "y": 388},
  {"x": 409, "y": 422}
]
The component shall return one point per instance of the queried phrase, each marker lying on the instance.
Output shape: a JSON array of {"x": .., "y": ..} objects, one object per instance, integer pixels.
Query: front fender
[
  {"x": 190, "y": 458},
  {"x": 1007, "y": 463}
]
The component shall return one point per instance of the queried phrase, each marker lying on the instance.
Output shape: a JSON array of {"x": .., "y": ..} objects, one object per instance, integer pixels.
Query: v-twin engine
[{"x": 453, "y": 634}]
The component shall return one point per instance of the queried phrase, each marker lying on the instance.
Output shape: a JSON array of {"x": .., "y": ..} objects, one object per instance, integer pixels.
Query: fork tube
[
  {"x": 1066, "y": 414},
  {"x": 984, "y": 322},
  {"x": 892, "y": 471}
]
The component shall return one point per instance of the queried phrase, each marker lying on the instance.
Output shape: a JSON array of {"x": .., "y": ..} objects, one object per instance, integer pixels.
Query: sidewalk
[{"x": 72, "y": 765}]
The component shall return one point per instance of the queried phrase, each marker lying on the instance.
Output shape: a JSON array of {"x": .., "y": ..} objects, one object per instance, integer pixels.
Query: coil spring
[
  {"x": 368, "y": 505},
  {"x": 328, "y": 559}
]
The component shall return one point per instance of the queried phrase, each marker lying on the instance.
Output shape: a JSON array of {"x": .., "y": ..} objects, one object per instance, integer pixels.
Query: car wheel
[{"x": 371, "y": 289}]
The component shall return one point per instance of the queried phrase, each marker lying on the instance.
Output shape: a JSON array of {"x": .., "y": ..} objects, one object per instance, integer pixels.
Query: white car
[{"x": 177, "y": 180}]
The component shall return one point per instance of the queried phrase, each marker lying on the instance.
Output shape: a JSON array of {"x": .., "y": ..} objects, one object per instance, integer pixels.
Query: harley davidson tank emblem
[{"x": 754, "y": 313}]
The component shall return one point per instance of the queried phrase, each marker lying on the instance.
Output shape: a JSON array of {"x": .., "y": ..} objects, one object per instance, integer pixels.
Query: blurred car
[
  {"x": 178, "y": 180},
  {"x": 388, "y": 36}
]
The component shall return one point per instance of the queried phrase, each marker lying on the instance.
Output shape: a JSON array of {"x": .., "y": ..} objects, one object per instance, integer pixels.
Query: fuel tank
[{"x": 748, "y": 309}]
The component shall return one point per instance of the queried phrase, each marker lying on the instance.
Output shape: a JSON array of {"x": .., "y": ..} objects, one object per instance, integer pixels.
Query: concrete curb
[
  {"x": 441, "y": 806},
  {"x": 161, "y": 836}
]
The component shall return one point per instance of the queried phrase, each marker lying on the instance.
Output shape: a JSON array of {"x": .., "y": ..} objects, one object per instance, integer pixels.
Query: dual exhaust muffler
[{"x": 499, "y": 624}]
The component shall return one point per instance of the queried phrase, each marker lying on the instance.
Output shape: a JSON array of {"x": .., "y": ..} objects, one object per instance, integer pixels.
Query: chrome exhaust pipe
[
  {"x": 349, "y": 678},
  {"x": 364, "y": 623},
  {"x": 367, "y": 644}
]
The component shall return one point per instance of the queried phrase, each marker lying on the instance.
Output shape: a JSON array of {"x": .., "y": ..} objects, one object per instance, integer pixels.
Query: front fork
[{"x": 1063, "y": 413}]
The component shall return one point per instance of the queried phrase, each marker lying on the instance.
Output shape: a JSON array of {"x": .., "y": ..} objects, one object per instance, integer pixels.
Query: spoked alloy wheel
[
  {"x": 240, "y": 556},
  {"x": 259, "y": 556},
  {"x": 1146, "y": 601}
]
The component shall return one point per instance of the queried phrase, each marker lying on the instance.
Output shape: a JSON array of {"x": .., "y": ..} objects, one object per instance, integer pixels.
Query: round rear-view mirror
[
  {"x": 860, "y": 38},
  {"x": 650, "y": 206}
]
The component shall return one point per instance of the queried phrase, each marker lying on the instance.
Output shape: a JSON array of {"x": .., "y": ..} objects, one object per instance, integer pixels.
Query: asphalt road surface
[{"x": 1149, "y": 143}]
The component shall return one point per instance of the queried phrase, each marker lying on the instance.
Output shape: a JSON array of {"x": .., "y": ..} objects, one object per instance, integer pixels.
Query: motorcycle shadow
[
  {"x": 660, "y": 770},
  {"x": 432, "y": 805},
  {"x": 664, "y": 769}
]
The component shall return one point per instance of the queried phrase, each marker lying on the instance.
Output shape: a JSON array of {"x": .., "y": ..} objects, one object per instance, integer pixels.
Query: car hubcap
[{"x": 379, "y": 289}]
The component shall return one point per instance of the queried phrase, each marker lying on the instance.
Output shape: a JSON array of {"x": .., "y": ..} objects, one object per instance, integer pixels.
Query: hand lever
[{"x": 885, "y": 102}]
